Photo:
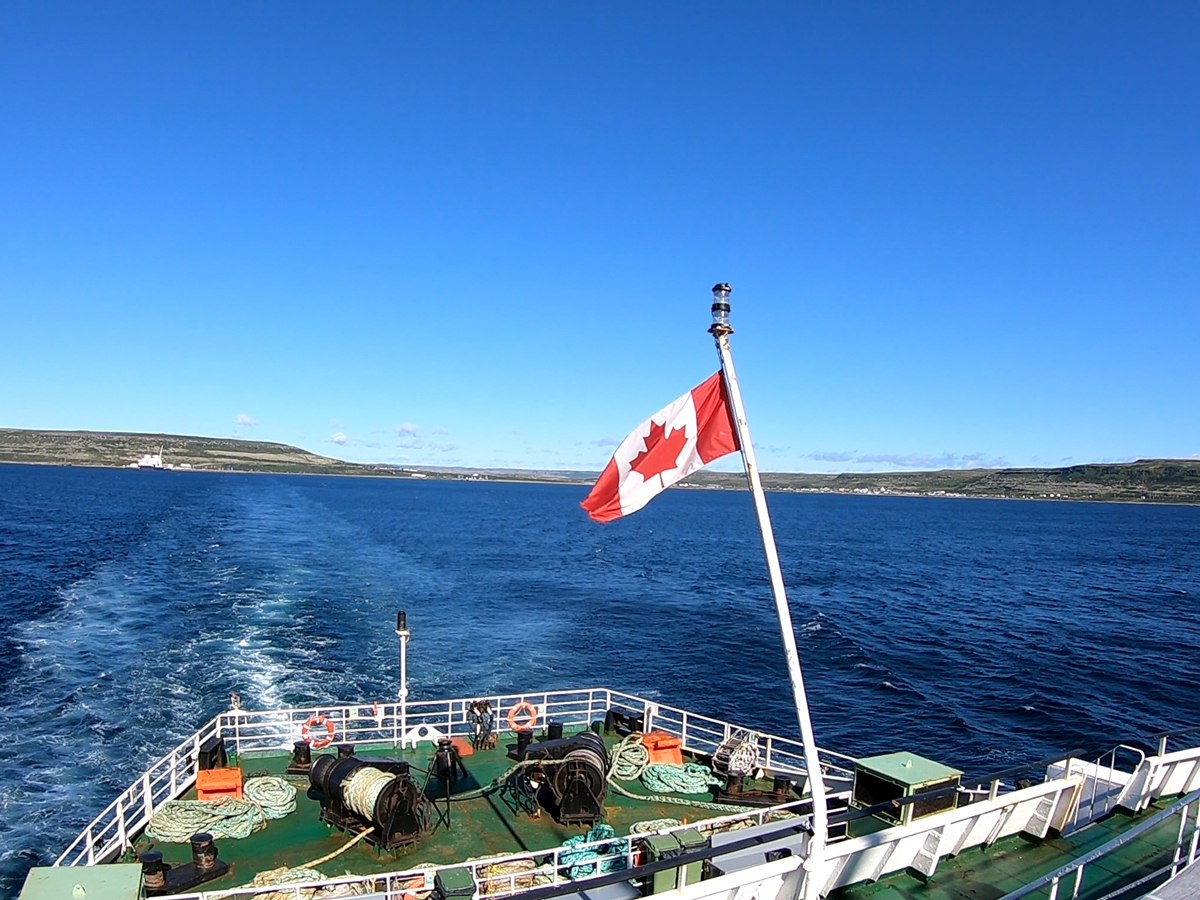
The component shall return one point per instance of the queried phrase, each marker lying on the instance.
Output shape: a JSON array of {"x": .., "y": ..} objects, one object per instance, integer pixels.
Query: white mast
[{"x": 814, "y": 865}]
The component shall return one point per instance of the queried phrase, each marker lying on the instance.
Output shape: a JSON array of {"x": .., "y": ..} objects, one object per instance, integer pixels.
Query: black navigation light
[{"x": 720, "y": 306}]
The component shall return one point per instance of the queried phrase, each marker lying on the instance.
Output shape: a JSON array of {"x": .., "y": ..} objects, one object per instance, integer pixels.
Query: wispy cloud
[
  {"x": 445, "y": 448},
  {"x": 340, "y": 438},
  {"x": 409, "y": 429},
  {"x": 830, "y": 455},
  {"x": 334, "y": 423},
  {"x": 243, "y": 419},
  {"x": 1067, "y": 459},
  {"x": 440, "y": 430},
  {"x": 923, "y": 461},
  {"x": 605, "y": 442},
  {"x": 411, "y": 445}
]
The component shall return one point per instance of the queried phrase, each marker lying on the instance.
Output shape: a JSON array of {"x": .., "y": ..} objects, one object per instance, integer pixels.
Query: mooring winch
[
  {"x": 379, "y": 794},
  {"x": 576, "y": 775}
]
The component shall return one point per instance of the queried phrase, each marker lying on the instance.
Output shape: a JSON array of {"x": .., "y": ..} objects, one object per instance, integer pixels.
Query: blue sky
[{"x": 483, "y": 234}]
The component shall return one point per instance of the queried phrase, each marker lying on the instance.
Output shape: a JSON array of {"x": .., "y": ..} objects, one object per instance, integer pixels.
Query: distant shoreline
[{"x": 1171, "y": 482}]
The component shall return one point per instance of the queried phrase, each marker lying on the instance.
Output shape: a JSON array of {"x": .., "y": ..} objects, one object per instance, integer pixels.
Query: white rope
[
  {"x": 363, "y": 788},
  {"x": 274, "y": 796}
]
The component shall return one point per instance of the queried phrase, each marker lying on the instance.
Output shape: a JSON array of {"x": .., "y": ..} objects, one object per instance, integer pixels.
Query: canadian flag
[{"x": 670, "y": 445}]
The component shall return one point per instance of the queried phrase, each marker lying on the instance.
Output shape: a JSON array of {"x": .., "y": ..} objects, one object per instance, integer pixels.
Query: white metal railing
[
  {"x": 1184, "y": 854},
  {"x": 114, "y": 829},
  {"x": 503, "y": 875},
  {"x": 391, "y": 724}
]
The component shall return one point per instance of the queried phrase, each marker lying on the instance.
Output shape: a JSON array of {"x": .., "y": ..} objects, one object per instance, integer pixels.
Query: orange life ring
[
  {"x": 523, "y": 707},
  {"x": 315, "y": 722}
]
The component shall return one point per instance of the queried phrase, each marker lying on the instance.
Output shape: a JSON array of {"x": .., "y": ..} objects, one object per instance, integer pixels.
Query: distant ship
[{"x": 149, "y": 461}]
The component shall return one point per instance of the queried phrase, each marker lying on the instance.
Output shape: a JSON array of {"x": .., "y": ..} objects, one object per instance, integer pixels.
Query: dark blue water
[{"x": 980, "y": 633}]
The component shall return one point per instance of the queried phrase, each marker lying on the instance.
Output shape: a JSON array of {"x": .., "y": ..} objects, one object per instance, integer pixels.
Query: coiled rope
[
  {"x": 580, "y": 861},
  {"x": 363, "y": 788},
  {"x": 265, "y": 798},
  {"x": 517, "y": 874},
  {"x": 274, "y": 796},
  {"x": 649, "y": 825},
  {"x": 688, "y": 778},
  {"x": 631, "y": 756},
  {"x": 176, "y": 822}
]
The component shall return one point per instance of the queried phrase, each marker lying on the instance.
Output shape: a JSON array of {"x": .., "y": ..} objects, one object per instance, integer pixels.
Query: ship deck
[
  {"x": 991, "y": 872},
  {"x": 488, "y": 827},
  {"x": 482, "y": 827}
]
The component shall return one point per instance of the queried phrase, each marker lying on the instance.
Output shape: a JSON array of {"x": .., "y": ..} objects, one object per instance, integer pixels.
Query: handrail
[
  {"x": 1162, "y": 736},
  {"x": 1076, "y": 866}
]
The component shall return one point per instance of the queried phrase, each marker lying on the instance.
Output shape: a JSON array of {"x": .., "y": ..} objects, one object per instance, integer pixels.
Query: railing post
[
  {"x": 1183, "y": 818},
  {"x": 1162, "y": 746},
  {"x": 120, "y": 811},
  {"x": 1078, "y": 883},
  {"x": 1053, "y": 889},
  {"x": 1195, "y": 837},
  {"x": 91, "y": 846},
  {"x": 147, "y": 797},
  {"x": 995, "y": 791}
]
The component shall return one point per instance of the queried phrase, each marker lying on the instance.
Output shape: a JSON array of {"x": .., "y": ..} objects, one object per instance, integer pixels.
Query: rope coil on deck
[
  {"x": 266, "y": 797},
  {"x": 580, "y": 860},
  {"x": 274, "y": 796},
  {"x": 631, "y": 759},
  {"x": 178, "y": 820},
  {"x": 688, "y": 778},
  {"x": 301, "y": 875}
]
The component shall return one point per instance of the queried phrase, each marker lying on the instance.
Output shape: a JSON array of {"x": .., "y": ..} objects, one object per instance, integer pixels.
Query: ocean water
[{"x": 979, "y": 633}]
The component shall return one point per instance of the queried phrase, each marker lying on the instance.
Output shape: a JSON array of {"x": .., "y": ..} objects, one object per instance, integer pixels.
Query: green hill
[{"x": 1150, "y": 480}]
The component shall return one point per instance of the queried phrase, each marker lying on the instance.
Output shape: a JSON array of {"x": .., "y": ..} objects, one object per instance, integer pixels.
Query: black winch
[
  {"x": 379, "y": 794},
  {"x": 575, "y": 774}
]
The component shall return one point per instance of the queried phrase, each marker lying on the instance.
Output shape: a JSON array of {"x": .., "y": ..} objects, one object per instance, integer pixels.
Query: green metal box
[
  {"x": 895, "y": 776},
  {"x": 663, "y": 847},
  {"x": 116, "y": 881}
]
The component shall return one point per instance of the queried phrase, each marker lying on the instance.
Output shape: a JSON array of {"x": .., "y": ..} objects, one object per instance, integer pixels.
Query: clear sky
[{"x": 483, "y": 234}]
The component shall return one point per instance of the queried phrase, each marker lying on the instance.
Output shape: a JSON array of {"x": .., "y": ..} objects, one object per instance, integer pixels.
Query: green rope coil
[
  {"x": 178, "y": 820},
  {"x": 688, "y": 778},
  {"x": 265, "y": 798},
  {"x": 631, "y": 760},
  {"x": 580, "y": 860}
]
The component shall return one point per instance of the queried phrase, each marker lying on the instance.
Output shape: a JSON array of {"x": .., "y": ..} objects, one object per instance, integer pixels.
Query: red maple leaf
[{"x": 661, "y": 453}]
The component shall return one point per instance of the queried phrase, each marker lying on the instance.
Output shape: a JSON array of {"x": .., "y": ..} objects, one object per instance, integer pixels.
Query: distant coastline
[{"x": 1144, "y": 481}]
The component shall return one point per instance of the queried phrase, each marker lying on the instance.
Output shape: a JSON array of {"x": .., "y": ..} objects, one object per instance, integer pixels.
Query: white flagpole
[{"x": 814, "y": 865}]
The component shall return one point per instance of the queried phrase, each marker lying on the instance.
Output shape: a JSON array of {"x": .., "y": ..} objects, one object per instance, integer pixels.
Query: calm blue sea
[{"x": 980, "y": 633}]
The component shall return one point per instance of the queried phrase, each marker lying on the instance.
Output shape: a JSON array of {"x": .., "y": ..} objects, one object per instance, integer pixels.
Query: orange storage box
[
  {"x": 216, "y": 784},
  {"x": 664, "y": 748}
]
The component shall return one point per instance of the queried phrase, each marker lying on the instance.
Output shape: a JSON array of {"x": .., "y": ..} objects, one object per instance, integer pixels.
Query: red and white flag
[{"x": 670, "y": 445}]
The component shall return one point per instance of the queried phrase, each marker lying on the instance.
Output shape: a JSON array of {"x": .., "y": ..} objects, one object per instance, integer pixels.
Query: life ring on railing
[
  {"x": 315, "y": 722},
  {"x": 530, "y": 711}
]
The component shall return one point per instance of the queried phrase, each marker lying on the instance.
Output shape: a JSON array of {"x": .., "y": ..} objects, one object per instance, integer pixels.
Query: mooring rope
[
  {"x": 266, "y": 797},
  {"x": 274, "y": 796},
  {"x": 631, "y": 759},
  {"x": 362, "y": 790},
  {"x": 580, "y": 861}
]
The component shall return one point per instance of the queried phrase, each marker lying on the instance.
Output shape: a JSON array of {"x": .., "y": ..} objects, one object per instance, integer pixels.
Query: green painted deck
[
  {"x": 484, "y": 827},
  {"x": 990, "y": 873},
  {"x": 488, "y": 827}
]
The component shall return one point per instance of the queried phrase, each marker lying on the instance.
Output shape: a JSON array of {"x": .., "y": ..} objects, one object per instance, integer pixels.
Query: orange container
[
  {"x": 462, "y": 745},
  {"x": 664, "y": 748},
  {"x": 216, "y": 784}
]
